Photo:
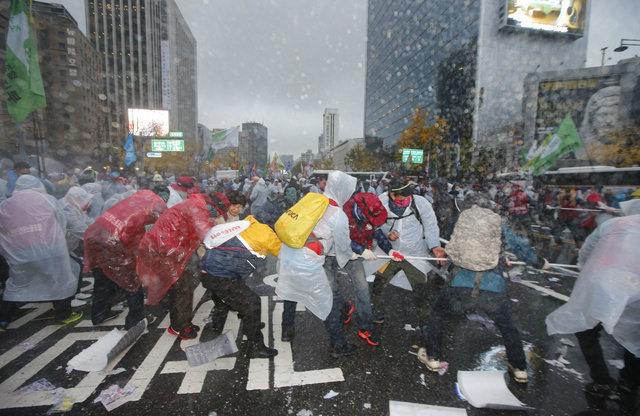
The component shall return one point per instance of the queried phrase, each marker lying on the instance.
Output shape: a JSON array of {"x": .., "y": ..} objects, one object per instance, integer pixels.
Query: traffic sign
[
  {"x": 176, "y": 134},
  {"x": 154, "y": 154},
  {"x": 167, "y": 145},
  {"x": 414, "y": 154}
]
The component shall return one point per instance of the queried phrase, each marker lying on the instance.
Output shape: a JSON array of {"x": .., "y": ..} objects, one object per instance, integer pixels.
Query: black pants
[
  {"x": 240, "y": 298},
  {"x": 104, "y": 290},
  {"x": 457, "y": 300},
  {"x": 9, "y": 309},
  {"x": 589, "y": 341},
  {"x": 181, "y": 299}
]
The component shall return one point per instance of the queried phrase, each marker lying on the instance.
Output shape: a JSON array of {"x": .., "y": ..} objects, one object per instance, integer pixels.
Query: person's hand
[
  {"x": 354, "y": 256},
  {"x": 368, "y": 255},
  {"x": 439, "y": 253},
  {"x": 393, "y": 236},
  {"x": 395, "y": 256}
]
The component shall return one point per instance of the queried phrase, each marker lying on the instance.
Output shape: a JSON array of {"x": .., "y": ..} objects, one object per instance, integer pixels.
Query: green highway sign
[
  {"x": 414, "y": 154},
  {"x": 167, "y": 145},
  {"x": 176, "y": 134}
]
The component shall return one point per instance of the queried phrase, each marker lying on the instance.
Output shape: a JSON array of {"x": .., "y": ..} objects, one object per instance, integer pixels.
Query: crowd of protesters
[{"x": 143, "y": 238}]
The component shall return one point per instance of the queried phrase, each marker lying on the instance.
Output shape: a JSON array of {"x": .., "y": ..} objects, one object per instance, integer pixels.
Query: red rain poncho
[
  {"x": 111, "y": 241},
  {"x": 166, "y": 248}
]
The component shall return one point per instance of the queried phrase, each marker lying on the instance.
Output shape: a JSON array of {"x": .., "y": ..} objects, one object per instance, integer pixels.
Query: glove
[
  {"x": 395, "y": 256},
  {"x": 542, "y": 264},
  {"x": 368, "y": 255},
  {"x": 354, "y": 256}
]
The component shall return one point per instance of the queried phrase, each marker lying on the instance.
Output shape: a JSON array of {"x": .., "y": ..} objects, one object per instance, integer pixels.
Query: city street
[{"x": 303, "y": 379}]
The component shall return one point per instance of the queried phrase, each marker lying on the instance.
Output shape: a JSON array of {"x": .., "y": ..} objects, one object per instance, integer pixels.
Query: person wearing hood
[
  {"x": 112, "y": 185},
  {"x": 443, "y": 206},
  {"x": 97, "y": 202},
  {"x": 186, "y": 186},
  {"x": 477, "y": 282},
  {"x": 110, "y": 248},
  {"x": 74, "y": 206},
  {"x": 519, "y": 214},
  {"x": 33, "y": 243},
  {"x": 309, "y": 274},
  {"x": 412, "y": 228},
  {"x": 606, "y": 297},
  {"x": 291, "y": 193},
  {"x": 269, "y": 212},
  {"x": 258, "y": 195},
  {"x": 366, "y": 214},
  {"x": 167, "y": 262}
]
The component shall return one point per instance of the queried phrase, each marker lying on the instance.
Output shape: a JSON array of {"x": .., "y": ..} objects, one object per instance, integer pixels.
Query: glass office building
[{"x": 457, "y": 60}]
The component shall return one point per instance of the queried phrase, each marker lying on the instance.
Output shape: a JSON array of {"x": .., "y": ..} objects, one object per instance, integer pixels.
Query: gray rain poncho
[
  {"x": 608, "y": 289},
  {"x": 259, "y": 194},
  {"x": 33, "y": 243},
  {"x": 301, "y": 275},
  {"x": 95, "y": 209},
  {"x": 74, "y": 207}
]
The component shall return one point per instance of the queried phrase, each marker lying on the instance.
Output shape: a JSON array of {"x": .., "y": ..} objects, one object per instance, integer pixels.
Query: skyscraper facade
[
  {"x": 149, "y": 61},
  {"x": 253, "y": 142},
  {"x": 330, "y": 128},
  {"x": 68, "y": 128},
  {"x": 455, "y": 59}
]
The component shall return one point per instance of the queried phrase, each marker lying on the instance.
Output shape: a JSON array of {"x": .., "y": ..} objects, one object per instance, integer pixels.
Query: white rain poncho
[
  {"x": 32, "y": 241},
  {"x": 301, "y": 276},
  {"x": 608, "y": 289},
  {"x": 97, "y": 202},
  {"x": 259, "y": 194},
  {"x": 414, "y": 241},
  {"x": 74, "y": 206}
]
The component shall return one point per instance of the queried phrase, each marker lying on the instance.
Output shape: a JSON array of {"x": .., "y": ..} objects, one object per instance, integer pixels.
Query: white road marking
[
  {"x": 18, "y": 350},
  {"x": 79, "y": 393},
  {"x": 258, "y": 378},
  {"x": 38, "y": 309},
  {"x": 284, "y": 374}
]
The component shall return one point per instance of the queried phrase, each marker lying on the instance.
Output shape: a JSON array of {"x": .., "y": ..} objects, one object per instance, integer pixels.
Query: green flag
[
  {"x": 211, "y": 154},
  {"x": 23, "y": 82},
  {"x": 563, "y": 140}
]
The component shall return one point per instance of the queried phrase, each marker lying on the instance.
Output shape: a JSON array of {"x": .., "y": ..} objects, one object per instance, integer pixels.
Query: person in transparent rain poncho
[
  {"x": 32, "y": 240},
  {"x": 308, "y": 274},
  {"x": 607, "y": 296}
]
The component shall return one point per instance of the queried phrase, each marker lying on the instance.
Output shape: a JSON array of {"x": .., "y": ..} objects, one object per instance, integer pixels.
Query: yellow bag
[
  {"x": 261, "y": 238},
  {"x": 296, "y": 224}
]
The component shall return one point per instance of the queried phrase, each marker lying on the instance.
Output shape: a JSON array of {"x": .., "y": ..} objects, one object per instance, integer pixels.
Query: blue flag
[{"x": 130, "y": 156}]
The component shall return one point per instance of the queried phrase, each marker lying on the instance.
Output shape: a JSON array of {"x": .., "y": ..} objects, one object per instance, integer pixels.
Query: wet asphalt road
[{"x": 372, "y": 377}]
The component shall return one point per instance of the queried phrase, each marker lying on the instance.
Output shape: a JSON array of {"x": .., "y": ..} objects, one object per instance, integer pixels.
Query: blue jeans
[
  {"x": 333, "y": 322},
  {"x": 457, "y": 300},
  {"x": 355, "y": 269}
]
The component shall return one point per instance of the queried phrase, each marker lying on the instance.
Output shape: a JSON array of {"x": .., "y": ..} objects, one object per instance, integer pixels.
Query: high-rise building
[
  {"x": 149, "y": 61},
  {"x": 330, "y": 128},
  {"x": 253, "y": 142},
  {"x": 68, "y": 128},
  {"x": 464, "y": 61}
]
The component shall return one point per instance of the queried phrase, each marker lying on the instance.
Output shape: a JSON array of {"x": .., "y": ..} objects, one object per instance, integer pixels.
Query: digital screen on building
[
  {"x": 143, "y": 122},
  {"x": 553, "y": 16}
]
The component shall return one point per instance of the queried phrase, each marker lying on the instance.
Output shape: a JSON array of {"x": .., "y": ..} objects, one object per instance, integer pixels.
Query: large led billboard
[
  {"x": 554, "y": 16},
  {"x": 143, "y": 122}
]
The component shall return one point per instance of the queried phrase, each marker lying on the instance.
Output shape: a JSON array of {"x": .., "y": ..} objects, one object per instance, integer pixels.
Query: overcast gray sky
[{"x": 282, "y": 62}]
